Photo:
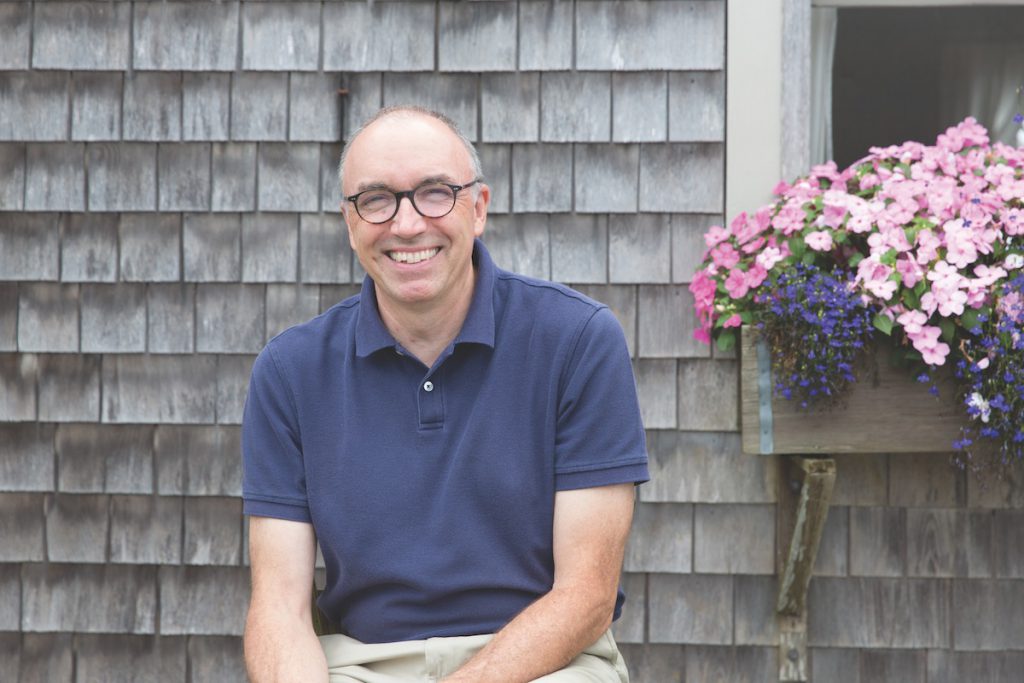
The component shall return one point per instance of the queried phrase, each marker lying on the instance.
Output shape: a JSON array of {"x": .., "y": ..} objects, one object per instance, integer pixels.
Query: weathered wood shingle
[
  {"x": 55, "y": 177},
  {"x": 170, "y": 36},
  {"x": 280, "y": 36},
  {"x": 81, "y": 35}
]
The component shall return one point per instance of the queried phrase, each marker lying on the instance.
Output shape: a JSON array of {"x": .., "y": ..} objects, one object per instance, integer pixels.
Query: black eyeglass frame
[{"x": 410, "y": 194}]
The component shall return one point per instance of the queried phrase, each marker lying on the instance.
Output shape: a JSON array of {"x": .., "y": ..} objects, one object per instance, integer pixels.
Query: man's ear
[{"x": 483, "y": 200}]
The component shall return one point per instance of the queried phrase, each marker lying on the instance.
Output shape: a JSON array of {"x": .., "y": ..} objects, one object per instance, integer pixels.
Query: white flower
[
  {"x": 1014, "y": 261},
  {"x": 976, "y": 400}
]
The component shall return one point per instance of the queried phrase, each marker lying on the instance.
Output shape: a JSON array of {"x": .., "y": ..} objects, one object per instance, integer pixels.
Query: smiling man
[{"x": 462, "y": 441}]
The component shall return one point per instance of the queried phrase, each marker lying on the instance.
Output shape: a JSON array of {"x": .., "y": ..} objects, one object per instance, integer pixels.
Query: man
[{"x": 462, "y": 441}]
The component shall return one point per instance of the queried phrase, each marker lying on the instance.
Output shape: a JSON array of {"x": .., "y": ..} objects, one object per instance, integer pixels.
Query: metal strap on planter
[{"x": 764, "y": 393}]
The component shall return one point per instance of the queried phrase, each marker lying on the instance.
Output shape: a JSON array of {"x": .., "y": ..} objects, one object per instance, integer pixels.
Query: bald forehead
[{"x": 406, "y": 140}]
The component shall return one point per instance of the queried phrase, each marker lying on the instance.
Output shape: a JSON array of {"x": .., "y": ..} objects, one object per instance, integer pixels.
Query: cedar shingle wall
[{"x": 168, "y": 202}]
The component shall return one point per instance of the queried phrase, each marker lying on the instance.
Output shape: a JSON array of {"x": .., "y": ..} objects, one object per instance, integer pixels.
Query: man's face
[{"x": 414, "y": 260}]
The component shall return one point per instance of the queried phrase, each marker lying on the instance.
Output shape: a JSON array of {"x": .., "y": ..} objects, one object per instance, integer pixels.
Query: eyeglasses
[{"x": 431, "y": 200}]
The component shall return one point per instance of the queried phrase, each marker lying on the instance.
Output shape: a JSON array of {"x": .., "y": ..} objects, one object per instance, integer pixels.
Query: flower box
[{"x": 885, "y": 411}]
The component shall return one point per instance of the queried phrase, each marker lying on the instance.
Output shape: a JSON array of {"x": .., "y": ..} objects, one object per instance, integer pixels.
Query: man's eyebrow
[{"x": 362, "y": 187}]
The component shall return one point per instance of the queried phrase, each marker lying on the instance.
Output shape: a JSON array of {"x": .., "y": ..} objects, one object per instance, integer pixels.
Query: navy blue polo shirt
[{"x": 432, "y": 489}]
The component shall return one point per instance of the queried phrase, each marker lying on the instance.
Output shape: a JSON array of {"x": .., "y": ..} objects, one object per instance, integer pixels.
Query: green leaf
[
  {"x": 911, "y": 299},
  {"x": 970, "y": 317},
  {"x": 920, "y": 288},
  {"x": 948, "y": 330},
  {"x": 797, "y": 247},
  {"x": 855, "y": 259},
  {"x": 889, "y": 257},
  {"x": 726, "y": 341},
  {"x": 808, "y": 258},
  {"x": 882, "y": 323}
]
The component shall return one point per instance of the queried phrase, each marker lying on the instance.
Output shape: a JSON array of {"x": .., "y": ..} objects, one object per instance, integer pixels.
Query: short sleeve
[
  {"x": 600, "y": 436},
  {"x": 273, "y": 473}
]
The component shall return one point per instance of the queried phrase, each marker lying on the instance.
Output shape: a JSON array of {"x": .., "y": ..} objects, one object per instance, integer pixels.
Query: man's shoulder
[
  {"x": 336, "y": 322},
  {"x": 548, "y": 299}
]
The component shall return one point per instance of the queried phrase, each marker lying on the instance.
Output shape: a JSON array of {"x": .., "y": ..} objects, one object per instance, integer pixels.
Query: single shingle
[
  {"x": 114, "y": 318},
  {"x": 476, "y": 36},
  {"x": 541, "y": 178},
  {"x": 205, "y": 106},
  {"x": 29, "y": 246},
  {"x": 510, "y": 107},
  {"x": 76, "y": 528},
  {"x": 259, "y": 106},
  {"x": 986, "y": 614},
  {"x": 637, "y": 36},
  {"x": 145, "y": 529},
  {"x": 367, "y": 40},
  {"x": 922, "y": 480},
  {"x": 496, "y": 164},
  {"x": 89, "y": 248},
  {"x": 15, "y": 26},
  {"x": 289, "y": 305},
  {"x": 629, "y": 627},
  {"x": 579, "y": 248},
  {"x": 833, "y": 551},
  {"x": 661, "y": 539},
  {"x": 545, "y": 35},
  {"x": 656, "y": 390},
  {"x": 122, "y": 176},
  {"x": 454, "y": 95},
  {"x": 55, "y": 177},
  {"x": 520, "y": 243},
  {"x": 213, "y": 531},
  {"x": 203, "y": 600},
  {"x": 716, "y": 406},
  {"x": 640, "y": 110},
  {"x": 606, "y": 178},
  {"x": 756, "y": 622},
  {"x": 935, "y": 544},
  {"x": 150, "y": 247},
  {"x": 186, "y": 36},
  {"x": 46, "y": 657},
  {"x": 10, "y": 619},
  {"x": 234, "y": 177},
  {"x": 122, "y": 658},
  {"x": 280, "y": 36},
  {"x": 88, "y": 598},
  {"x": 28, "y": 463},
  {"x": 233, "y": 374},
  {"x": 81, "y": 35},
  {"x": 639, "y": 248},
  {"x": 330, "y": 190},
  {"x": 198, "y": 460},
  {"x": 216, "y": 658},
  {"x": 12, "y": 176},
  {"x": 688, "y": 243},
  {"x": 152, "y": 106},
  {"x": 22, "y": 525},
  {"x": 655, "y": 662},
  {"x": 878, "y": 542},
  {"x": 689, "y": 608},
  {"x": 575, "y": 107},
  {"x": 69, "y": 388},
  {"x": 714, "y": 663},
  {"x": 269, "y": 247},
  {"x": 364, "y": 98},
  {"x": 945, "y": 666},
  {"x": 95, "y": 458},
  {"x": 48, "y": 317},
  {"x": 96, "y": 105},
  {"x": 706, "y": 467},
  {"x": 170, "y": 324},
  {"x": 682, "y": 178},
  {"x": 325, "y": 254},
  {"x": 184, "y": 172},
  {"x": 289, "y": 176},
  {"x": 229, "y": 319},
  {"x": 9, "y": 316},
  {"x": 212, "y": 247},
  {"x": 23, "y": 95},
  {"x": 696, "y": 104},
  {"x": 720, "y": 529},
  {"x": 188, "y": 389},
  {"x": 314, "y": 107}
]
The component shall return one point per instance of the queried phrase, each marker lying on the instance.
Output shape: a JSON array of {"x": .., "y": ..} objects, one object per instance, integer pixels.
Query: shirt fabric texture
[{"x": 431, "y": 490}]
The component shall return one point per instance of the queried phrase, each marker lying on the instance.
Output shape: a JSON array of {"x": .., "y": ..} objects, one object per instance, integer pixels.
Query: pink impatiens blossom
[
  {"x": 715, "y": 234},
  {"x": 736, "y": 284},
  {"x": 873, "y": 275},
  {"x": 911, "y": 272},
  {"x": 769, "y": 257},
  {"x": 734, "y": 321},
  {"x": 820, "y": 240},
  {"x": 725, "y": 255}
]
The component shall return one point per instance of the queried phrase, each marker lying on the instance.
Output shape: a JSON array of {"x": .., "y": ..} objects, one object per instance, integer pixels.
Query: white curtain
[
  {"x": 982, "y": 80},
  {"x": 823, "y": 47}
]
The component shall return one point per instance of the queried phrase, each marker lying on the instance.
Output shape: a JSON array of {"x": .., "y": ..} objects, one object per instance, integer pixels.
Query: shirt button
[{"x": 428, "y": 386}]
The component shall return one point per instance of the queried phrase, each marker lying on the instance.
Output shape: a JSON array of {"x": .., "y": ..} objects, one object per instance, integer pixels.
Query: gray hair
[{"x": 474, "y": 158}]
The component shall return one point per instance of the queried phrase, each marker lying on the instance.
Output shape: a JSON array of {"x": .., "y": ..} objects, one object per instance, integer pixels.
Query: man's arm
[
  {"x": 590, "y": 530},
  {"x": 280, "y": 645}
]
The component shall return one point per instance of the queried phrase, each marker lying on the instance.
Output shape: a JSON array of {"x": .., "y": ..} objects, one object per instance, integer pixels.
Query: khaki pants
[{"x": 422, "y": 661}]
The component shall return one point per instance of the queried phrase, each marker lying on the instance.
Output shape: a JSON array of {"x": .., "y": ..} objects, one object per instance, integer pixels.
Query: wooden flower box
[{"x": 885, "y": 411}]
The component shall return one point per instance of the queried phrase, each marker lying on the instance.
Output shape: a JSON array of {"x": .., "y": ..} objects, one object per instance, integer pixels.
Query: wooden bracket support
[{"x": 801, "y": 521}]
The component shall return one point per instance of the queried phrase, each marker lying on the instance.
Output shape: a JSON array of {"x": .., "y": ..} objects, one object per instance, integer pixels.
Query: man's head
[{"x": 413, "y": 258}]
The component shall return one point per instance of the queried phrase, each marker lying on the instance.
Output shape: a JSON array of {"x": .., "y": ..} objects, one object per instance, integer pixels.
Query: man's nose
[{"x": 407, "y": 220}]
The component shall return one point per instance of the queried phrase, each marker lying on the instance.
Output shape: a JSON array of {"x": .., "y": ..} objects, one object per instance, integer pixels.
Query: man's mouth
[{"x": 413, "y": 256}]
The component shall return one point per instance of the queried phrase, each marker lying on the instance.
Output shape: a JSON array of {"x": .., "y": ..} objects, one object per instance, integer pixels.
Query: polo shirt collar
[{"x": 478, "y": 328}]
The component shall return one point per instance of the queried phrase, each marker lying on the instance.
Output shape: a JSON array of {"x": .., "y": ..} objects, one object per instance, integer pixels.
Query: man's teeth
[{"x": 412, "y": 256}]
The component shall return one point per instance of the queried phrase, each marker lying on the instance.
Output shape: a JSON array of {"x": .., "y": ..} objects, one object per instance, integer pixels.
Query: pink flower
[
  {"x": 725, "y": 255},
  {"x": 769, "y": 257},
  {"x": 912, "y": 322},
  {"x": 715, "y": 234},
  {"x": 703, "y": 289},
  {"x": 819, "y": 240},
  {"x": 734, "y": 321},
  {"x": 736, "y": 284},
  {"x": 874, "y": 277},
  {"x": 702, "y": 334},
  {"x": 912, "y": 273}
]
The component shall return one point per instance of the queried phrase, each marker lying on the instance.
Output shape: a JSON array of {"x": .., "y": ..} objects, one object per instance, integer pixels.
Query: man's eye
[
  {"x": 375, "y": 200},
  {"x": 434, "y": 194}
]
